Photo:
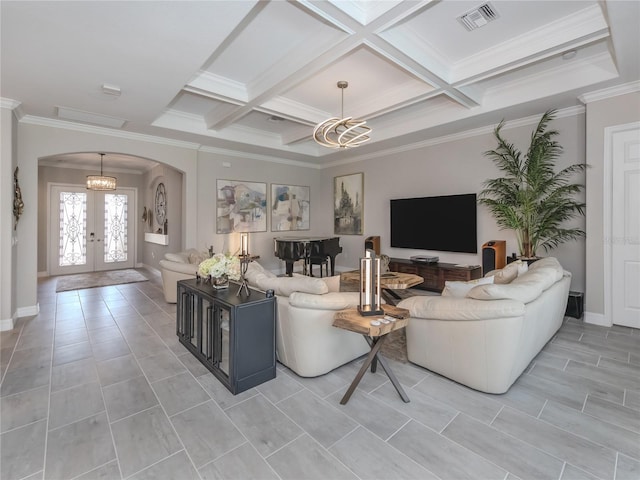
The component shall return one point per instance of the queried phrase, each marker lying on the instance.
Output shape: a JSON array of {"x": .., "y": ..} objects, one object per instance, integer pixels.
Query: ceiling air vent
[{"x": 478, "y": 17}]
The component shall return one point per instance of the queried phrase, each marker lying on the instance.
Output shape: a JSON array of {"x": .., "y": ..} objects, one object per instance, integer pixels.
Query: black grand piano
[{"x": 308, "y": 249}]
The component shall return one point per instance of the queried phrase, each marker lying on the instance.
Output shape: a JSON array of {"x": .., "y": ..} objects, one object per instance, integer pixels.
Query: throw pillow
[
  {"x": 523, "y": 267},
  {"x": 505, "y": 275},
  {"x": 197, "y": 258},
  {"x": 460, "y": 289}
]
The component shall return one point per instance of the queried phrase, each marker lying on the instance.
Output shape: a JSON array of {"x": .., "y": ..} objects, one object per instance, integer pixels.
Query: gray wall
[
  {"x": 210, "y": 169},
  {"x": 8, "y": 236},
  {"x": 601, "y": 114},
  {"x": 453, "y": 167},
  {"x": 152, "y": 253}
]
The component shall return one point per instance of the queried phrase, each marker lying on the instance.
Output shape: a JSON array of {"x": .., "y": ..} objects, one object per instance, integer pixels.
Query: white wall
[{"x": 449, "y": 168}]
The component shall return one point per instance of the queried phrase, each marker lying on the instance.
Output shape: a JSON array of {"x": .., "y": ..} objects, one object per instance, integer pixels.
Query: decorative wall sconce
[
  {"x": 18, "y": 203},
  {"x": 370, "y": 285}
]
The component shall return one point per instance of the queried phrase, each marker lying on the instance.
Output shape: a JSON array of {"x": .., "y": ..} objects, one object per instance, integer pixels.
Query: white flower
[{"x": 221, "y": 264}]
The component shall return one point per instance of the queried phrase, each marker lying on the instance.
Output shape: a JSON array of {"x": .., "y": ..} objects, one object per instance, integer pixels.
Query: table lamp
[{"x": 370, "y": 285}]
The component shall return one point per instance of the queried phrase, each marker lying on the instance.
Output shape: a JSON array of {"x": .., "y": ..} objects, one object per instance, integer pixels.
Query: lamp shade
[{"x": 101, "y": 182}]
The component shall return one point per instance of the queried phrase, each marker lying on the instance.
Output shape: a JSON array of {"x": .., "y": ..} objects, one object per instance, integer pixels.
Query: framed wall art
[
  {"x": 290, "y": 206},
  {"x": 241, "y": 206},
  {"x": 348, "y": 204}
]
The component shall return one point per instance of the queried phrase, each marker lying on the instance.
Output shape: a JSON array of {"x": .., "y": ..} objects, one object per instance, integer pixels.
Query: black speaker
[
  {"x": 372, "y": 243},
  {"x": 494, "y": 255},
  {"x": 575, "y": 305}
]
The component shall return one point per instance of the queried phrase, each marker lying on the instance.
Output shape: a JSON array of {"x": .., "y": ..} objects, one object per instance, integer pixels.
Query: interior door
[
  {"x": 89, "y": 230},
  {"x": 625, "y": 228}
]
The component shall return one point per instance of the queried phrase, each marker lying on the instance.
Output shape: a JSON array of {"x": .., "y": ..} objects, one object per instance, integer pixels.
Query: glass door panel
[{"x": 90, "y": 231}]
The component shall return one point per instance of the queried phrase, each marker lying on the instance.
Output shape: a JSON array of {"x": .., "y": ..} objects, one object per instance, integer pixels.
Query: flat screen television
[{"x": 446, "y": 223}]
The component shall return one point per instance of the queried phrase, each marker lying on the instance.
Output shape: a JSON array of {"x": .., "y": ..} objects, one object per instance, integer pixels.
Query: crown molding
[
  {"x": 531, "y": 120},
  {"x": 259, "y": 157},
  {"x": 66, "y": 125},
  {"x": 9, "y": 103},
  {"x": 610, "y": 92}
]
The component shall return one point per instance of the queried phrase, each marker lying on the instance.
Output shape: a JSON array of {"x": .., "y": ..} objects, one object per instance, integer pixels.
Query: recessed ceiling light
[
  {"x": 275, "y": 119},
  {"x": 568, "y": 55}
]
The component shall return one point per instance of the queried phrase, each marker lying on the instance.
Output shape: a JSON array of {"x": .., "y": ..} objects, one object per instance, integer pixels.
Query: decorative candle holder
[
  {"x": 245, "y": 259},
  {"x": 370, "y": 285}
]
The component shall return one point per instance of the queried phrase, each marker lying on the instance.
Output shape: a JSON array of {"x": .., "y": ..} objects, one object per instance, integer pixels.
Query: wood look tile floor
[{"x": 97, "y": 387}]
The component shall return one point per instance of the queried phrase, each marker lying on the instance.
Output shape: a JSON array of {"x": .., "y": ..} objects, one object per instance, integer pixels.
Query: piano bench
[{"x": 322, "y": 261}]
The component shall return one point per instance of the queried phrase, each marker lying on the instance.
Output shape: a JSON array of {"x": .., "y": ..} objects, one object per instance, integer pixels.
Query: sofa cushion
[
  {"x": 460, "y": 289},
  {"x": 524, "y": 291},
  {"x": 548, "y": 262},
  {"x": 328, "y": 301},
  {"x": 460, "y": 309},
  {"x": 176, "y": 257},
  {"x": 544, "y": 276},
  {"x": 287, "y": 285},
  {"x": 255, "y": 271}
]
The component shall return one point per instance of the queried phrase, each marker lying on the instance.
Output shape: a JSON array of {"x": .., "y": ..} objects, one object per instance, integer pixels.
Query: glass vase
[{"x": 220, "y": 282}]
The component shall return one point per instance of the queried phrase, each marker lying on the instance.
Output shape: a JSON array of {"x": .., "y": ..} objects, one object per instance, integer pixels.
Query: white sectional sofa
[
  {"x": 306, "y": 340},
  {"x": 179, "y": 266},
  {"x": 486, "y": 337}
]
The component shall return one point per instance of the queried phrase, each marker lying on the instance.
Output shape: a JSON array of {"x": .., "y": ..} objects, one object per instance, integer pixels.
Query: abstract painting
[
  {"x": 241, "y": 206},
  {"x": 289, "y": 207}
]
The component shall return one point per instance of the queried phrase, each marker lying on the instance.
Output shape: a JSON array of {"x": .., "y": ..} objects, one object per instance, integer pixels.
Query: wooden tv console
[{"x": 435, "y": 274}]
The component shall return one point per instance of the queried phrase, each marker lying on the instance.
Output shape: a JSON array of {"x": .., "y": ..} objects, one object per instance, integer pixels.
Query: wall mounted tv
[{"x": 446, "y": 223}]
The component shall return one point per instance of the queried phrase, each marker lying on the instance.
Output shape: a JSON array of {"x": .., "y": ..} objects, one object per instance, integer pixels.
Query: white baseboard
[
  {"x": 28, "y": 311},
  {"x": 6, "y": 324},
  {"x": 43, "y": 274},
  {"x": 150, "y": 268},
  {"x": 596, "y": 319}
]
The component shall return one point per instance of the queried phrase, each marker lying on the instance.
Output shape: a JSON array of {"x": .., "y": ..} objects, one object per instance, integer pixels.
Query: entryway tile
[
  {"x": 194, "y": 426},
  {"x": 266, "y": 427},
  {"x": 75, "y": 403},
  {"x": 361, "y": 451},
  {"x": 163, "y": 365},
  {"x": 305, "y": 458},
  {"x": 243, "y": 462},
  {"x": 128, "y": 397},
  {"x": 72, "y": 374},
  {"x": 23, "y": 408},
  {"x": 118, "y": 369},
  {"x": 144, "y": 439},
  {"x": 79, "y": 447},
  {"x": 22, "y": 451},
  {"x": 177, "y": 466},
  {"x": 179, "y": 393}
]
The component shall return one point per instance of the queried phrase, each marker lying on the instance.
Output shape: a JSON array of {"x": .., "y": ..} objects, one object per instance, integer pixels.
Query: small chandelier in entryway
[{"x": 101, "y": 182}]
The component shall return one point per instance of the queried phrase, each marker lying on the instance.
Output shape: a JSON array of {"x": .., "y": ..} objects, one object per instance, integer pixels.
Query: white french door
[{"x": 89, "y": 230}]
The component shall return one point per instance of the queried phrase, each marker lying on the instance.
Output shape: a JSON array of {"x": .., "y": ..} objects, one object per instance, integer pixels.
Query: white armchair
[{"x": 179, "y": 266}]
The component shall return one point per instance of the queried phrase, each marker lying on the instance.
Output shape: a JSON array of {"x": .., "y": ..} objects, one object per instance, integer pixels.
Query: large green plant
[{"x": 531, "y": 198}]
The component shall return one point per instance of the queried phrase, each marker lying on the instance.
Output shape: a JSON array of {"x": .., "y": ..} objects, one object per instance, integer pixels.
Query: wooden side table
[
  {"x": 375, "y": 335},
  {"x": 390, "y": 281}
]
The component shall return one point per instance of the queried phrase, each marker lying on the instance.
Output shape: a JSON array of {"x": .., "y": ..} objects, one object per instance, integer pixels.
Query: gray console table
[{"x": 233, "y": 336}]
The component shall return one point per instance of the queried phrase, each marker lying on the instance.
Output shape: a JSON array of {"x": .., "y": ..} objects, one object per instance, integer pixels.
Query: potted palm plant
[{"x": 532, "y": 198}]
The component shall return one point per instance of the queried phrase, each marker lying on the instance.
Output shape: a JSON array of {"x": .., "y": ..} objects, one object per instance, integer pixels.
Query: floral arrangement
[{"x": 220, "y": 264}]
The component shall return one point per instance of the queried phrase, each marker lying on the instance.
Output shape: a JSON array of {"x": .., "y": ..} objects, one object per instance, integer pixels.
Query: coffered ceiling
[{"x": 256, "y": 76}]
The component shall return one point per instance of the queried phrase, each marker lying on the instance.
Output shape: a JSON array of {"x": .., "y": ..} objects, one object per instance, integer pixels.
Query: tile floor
[{"x": 98, "y": 387}]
